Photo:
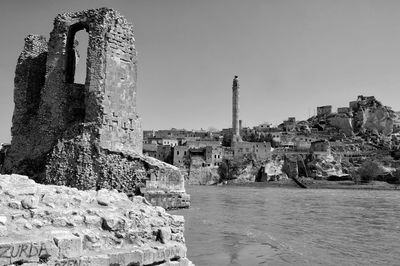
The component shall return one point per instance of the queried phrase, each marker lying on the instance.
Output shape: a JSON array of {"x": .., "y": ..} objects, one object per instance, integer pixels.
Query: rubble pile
[{"x": 57, "y": 225}]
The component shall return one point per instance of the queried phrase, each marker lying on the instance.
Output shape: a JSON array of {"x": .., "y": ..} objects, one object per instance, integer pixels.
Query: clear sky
[{"x": 290, "y": 55}]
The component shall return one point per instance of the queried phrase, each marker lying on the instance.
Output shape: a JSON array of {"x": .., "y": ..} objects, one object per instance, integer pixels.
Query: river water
[{"x": 238, "y": 225}]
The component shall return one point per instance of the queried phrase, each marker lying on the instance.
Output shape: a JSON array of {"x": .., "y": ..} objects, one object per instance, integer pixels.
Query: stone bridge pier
[{"x": 89, "y": 135}]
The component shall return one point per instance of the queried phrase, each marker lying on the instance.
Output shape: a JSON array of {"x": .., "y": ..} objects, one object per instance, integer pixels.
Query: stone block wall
[
  {"x": 121, "y": 128},
  {"x": 56, "y": 225}
]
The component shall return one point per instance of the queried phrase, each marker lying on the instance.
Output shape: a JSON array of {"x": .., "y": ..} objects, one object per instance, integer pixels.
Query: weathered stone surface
[
  {"x": 124, "y": 232},
  {"x": 377, "y": 120},
  {"x": 87, "y": 136},
  {"x": 343, "y": 122},
  {"x": 271, "y": 171},
  {"x": 164, "y": 234},
  {"x": 290, "y": 167},
  {"x": 69, "y": 245},
  {"x": 203, "y": 175},
  {"x": 3, "y": 152},
  {"x": 29, "y": 202}
]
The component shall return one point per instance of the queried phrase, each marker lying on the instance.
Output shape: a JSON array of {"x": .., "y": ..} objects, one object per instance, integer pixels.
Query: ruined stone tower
[
  {"x": 235, "y": 110},
  {"x": 83, "y": 135}
]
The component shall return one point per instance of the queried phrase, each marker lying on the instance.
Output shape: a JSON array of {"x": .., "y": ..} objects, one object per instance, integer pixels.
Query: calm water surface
[{"x": 285, "y": 226}]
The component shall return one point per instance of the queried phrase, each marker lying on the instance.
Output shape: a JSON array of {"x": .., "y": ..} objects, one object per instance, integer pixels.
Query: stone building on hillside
[
  {"x": 324, "y": 110},
  {"x": 353, "y": 105},
  {"x": 164, "y": 153},
  {"x": 205, "y": 156},
  {"x": 181, "y": 156},
  {"x": 289, "y": 124},
  {"x": 343, "y": 110},
  {"x": 263, "y": 127},
  {"x": 163, "y": 141},
  {"x": 87, "y": 135},
  {"x": 150, "y": 149},
  {"x": 202, "y": 143},
  {"x": 260, "y": 150}
]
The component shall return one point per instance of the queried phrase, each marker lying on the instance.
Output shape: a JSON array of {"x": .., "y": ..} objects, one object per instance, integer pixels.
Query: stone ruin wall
[
  {"x": 29, "y": 81},
  {"x": 85, "y": 135},
  {"x": 110, "y": 90},
  {"x": 121, "y": 125}
]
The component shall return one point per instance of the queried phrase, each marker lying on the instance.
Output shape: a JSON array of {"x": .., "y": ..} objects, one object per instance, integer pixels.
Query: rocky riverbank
[
  {"x": 320, "y": 184},
  {"x": 323, "y": 170},
  {"x": 57, "y": 225}
]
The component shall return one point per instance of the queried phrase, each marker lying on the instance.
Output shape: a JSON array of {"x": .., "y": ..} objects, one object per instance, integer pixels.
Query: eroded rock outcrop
[
  {"x": 57, "y": 225},
  {"x": 377, "y": 120},
  {"x": 324, "y": 167},
  {"x": 271, "y": 171},
  {"x": 342, "y": 122}
]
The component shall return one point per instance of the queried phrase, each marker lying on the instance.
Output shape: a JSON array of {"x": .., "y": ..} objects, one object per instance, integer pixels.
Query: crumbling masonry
[{"x": 88, "y": 135}]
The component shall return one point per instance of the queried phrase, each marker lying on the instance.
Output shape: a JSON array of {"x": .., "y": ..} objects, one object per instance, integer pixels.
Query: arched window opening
[
  {"x": 81, "y": 40},
  {"x": 75, "y": 76},
  {"x": 77, "y": 43}
]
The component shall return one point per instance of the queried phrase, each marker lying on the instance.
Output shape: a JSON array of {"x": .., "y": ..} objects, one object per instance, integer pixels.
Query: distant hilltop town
[{"x": 360, "y": 130}]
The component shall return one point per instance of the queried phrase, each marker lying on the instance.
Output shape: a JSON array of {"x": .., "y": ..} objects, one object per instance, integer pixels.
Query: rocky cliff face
[
  {"x": 57, "y": 225},
  {"x": 323, "y": 167},
  {"x": 378, "y": 120},
  {"x": 369, "y": 115},
  {"x": 271, "y": 171},
  {"x": 247, "y": 174},
  {"x": 343, "y": 122}
]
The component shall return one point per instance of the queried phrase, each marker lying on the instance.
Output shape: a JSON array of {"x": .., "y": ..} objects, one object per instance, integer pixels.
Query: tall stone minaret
[{"x": 235, "y": 110}]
